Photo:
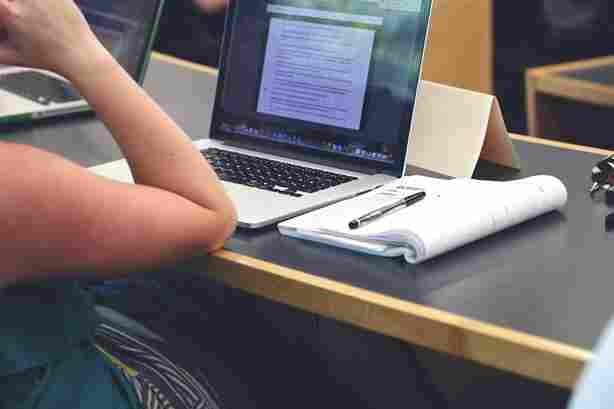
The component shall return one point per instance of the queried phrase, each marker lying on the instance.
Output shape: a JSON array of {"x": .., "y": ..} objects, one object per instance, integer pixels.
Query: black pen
[{"x": 406, "y": 201}]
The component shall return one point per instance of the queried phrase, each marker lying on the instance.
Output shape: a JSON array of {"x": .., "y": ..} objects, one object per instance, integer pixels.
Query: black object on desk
[{"x": 602, "y": 175}]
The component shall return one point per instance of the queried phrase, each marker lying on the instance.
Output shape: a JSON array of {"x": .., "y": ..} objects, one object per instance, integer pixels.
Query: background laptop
[
  {"x": 126, "y": 28},
  {"x": 314, "y": 102}
]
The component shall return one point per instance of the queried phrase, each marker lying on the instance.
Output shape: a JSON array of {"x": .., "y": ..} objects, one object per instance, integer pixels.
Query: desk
[
  {"x": 531, "y": 300},
  {"x": 572, "y": 102}
]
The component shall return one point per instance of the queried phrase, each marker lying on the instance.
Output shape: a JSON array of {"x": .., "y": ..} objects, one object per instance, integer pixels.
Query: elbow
[{"x": 227, "y": 224}]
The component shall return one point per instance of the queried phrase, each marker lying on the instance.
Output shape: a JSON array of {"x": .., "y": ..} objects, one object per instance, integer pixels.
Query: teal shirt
[{"x": 50, "y": 326}]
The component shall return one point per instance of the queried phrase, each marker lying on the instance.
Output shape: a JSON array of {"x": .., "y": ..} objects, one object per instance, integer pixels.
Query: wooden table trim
[
  {"x": 513, "y": 351},
  {"x": 561, "y": 145},
  {"x": 573, "y": 66},
  {"x": 183, "y": 63},
  {"x": 574, "y": 89},
  {"x": 548, "y": 80},
  {"x": 520, "y": 353}
]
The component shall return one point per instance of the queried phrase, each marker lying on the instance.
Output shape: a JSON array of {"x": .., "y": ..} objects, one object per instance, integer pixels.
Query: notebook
[
  {"x": 453, "y": 213},
  {"x": 126, "y": 28},
  {"x": 314, "y": 102}
]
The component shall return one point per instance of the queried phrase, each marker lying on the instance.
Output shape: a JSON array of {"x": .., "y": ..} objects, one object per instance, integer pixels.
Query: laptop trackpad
[{"x": 256, "y": 206}]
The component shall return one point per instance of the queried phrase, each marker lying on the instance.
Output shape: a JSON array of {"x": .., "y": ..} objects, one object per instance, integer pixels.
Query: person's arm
[
  {"x": 157, "y": 150},
  {"x": 58, "y": 219}
]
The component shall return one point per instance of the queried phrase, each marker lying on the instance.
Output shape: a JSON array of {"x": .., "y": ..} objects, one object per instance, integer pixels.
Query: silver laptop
[
  {"x": 126, "y": 28},
  {"x": 314, "y": 102}
]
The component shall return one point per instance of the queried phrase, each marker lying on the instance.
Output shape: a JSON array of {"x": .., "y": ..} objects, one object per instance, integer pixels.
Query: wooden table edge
[
  {"x": 517, "y": 352},
  {"x": 183, "y": 63},
  {"x": 495, "y": 346},
  {"x": 551, "y": 81},
  {"x": 561, "y": 145},
  {"x": 571, "y": 66},
  {"x": 571, "y": 88}
]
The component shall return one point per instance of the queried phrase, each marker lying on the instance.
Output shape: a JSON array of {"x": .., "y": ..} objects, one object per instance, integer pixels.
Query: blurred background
[{"x": 538, "y": 57}]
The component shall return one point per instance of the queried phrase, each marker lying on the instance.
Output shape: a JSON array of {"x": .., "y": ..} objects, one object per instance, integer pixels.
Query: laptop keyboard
[{"x": 269, "y": 174}]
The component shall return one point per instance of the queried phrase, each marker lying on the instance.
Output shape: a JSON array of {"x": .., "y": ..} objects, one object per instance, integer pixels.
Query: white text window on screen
[{"x": 316, "y": 72}]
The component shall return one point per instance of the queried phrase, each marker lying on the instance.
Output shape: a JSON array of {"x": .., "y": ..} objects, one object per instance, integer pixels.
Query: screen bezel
[
  {"x": 151, "y": 26},
  {"x": 152, "y": 31},
  {"x": 397, "y": 168}
]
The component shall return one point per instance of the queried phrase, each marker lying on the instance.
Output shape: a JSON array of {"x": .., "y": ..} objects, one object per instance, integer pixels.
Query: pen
[{"x": 375, "y": 214}]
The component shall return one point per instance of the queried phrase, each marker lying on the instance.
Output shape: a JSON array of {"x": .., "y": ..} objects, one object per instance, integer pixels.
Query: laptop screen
[{"x": 331, "y": 78}]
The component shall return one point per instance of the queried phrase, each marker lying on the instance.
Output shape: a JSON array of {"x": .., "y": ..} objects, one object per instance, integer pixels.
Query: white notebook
[{"x": 453, "y": 213}]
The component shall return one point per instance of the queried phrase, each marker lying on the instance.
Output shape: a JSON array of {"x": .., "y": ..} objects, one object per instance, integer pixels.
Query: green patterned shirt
[{"x": 47, "y": 354}]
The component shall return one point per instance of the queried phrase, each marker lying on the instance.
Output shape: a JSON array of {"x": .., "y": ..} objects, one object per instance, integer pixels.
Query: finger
[
  {"x": 8, "y": 56},
  {"x": 211, "y": 5},
  {"x": 6, "y": 10}
]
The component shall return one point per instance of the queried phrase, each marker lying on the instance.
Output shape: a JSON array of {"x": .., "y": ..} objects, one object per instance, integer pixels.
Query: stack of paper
[{"x": 453, "y": 213}]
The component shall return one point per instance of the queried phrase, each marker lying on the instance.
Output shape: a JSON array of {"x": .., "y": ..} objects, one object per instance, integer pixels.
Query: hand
[
  {"x": 211, "y": 5},
  {"x": 47, "y": 34}
]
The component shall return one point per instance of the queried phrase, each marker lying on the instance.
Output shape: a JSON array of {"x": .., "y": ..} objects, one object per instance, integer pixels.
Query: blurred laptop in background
[{"x": 127, "y": 30}]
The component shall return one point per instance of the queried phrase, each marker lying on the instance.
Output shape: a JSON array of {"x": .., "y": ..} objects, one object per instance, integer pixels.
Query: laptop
[
  {"x": 314, "y": 102},
  {"x": 126, "y": 28}
]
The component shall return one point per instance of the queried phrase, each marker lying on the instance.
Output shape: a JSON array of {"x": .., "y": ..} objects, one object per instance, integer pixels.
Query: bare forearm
[
  {"x": 178, "y": 207},
  {"x": 160, "y": 154}
]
